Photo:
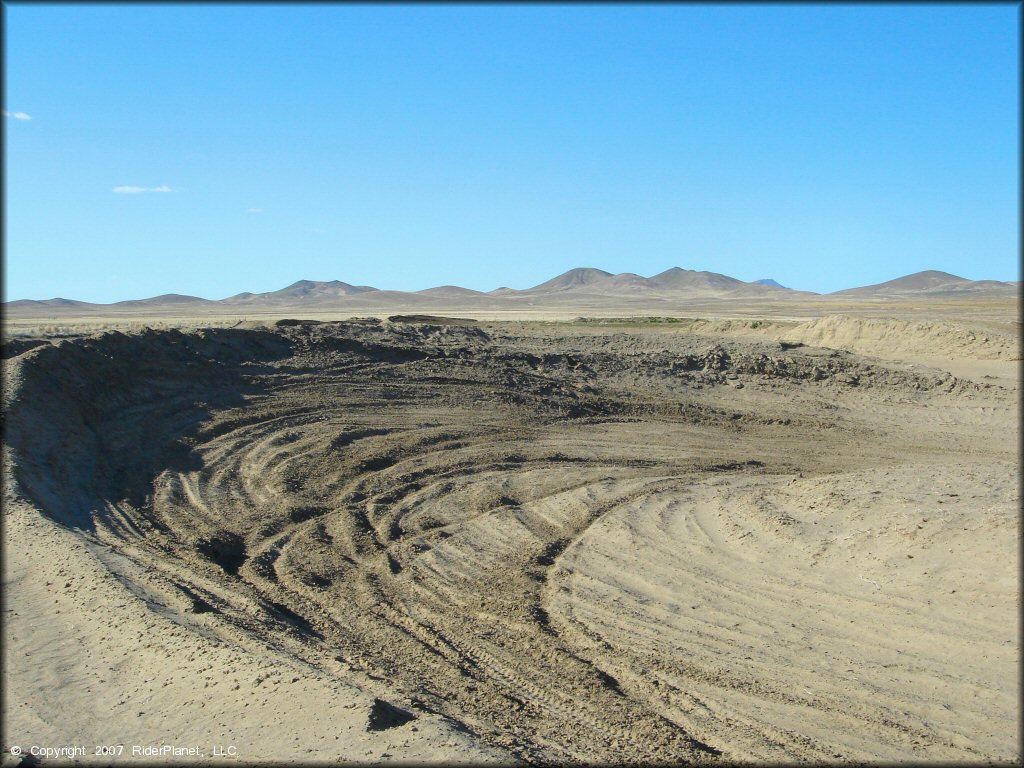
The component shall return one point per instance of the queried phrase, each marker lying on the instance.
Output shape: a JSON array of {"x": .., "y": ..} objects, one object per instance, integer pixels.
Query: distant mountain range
[
  {"x": 676, "y": 282},
  {"x": 584, "y": 287},
  {"x": 931, "y": 282}
]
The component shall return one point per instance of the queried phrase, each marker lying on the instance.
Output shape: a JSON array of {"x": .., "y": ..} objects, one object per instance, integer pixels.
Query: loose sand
[{"x": 546, "y": 542}]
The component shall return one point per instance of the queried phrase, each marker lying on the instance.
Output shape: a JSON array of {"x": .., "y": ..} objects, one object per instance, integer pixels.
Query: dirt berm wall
[{"x": 97, "y": 418}]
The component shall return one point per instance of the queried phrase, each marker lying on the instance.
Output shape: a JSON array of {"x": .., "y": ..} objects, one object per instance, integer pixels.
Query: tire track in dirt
[{"x": 419, "y": 503}]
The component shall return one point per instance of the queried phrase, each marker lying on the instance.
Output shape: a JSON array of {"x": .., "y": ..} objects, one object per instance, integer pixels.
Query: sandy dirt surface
[{"x": 526, "y": 541}]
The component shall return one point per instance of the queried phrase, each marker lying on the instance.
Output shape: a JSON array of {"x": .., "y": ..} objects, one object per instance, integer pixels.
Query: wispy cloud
[
  {"x": 17, "y": 115},
  {"x": 254, "y": 210},
  {"x": 137, "y": 190}
]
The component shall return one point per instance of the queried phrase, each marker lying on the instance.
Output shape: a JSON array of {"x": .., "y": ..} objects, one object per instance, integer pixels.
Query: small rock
[{"x": 384, "y": 715}]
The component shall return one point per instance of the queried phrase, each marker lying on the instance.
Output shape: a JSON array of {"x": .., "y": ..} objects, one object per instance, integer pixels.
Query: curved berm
[{"x": 428, "y": 539}]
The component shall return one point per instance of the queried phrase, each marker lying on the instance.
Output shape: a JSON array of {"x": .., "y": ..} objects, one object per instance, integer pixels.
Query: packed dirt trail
[{"x": 545, "y": 545}]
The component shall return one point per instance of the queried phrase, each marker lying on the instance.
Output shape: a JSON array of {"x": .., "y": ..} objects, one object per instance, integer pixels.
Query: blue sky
[{"x": 214, "y": 149}]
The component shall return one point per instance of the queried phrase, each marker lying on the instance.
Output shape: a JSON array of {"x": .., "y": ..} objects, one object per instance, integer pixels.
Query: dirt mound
[
  {"x": 432, "y": 319},
  {"x": 889, "y": 337},
  {"x": 15, "y": 347}
]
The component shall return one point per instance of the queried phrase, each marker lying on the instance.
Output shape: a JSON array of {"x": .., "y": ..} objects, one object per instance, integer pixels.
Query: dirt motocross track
[{"x": 601, "y": 546}]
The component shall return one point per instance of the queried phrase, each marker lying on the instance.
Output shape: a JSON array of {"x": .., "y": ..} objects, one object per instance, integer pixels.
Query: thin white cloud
[
  {"x": 254, "y": 210},
  {"x": 129, "y": 190},
  {"x": 17, "y": 115}
]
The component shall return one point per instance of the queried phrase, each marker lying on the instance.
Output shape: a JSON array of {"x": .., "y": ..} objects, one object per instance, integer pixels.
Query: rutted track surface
[{"x": 414, "y": 501}]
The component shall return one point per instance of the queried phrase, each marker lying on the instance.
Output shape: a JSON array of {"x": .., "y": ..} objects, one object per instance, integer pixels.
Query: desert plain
[{"x": 734, "y": 531}]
